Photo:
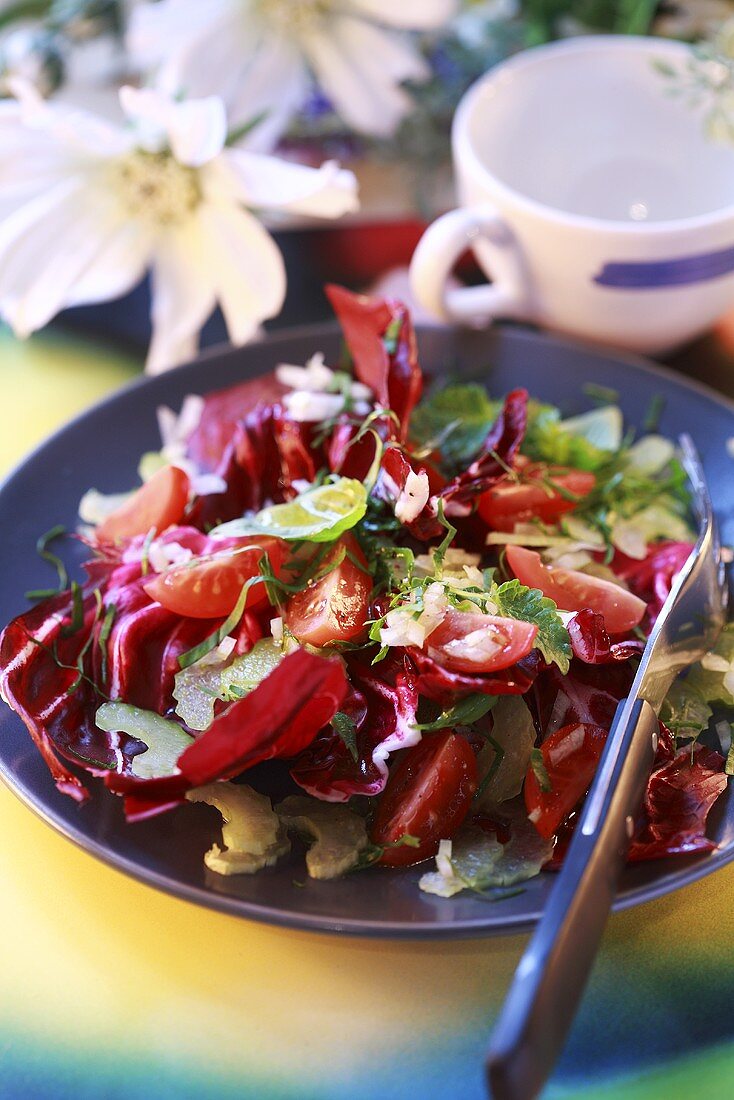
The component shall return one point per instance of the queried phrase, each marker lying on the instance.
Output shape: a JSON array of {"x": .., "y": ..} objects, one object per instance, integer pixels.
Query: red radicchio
[
  {"x": 445, "y": 687},
  {"x": 382, "y": 705},
  {"x": 381, "y": 340},
  {"x": 223, "y": 411},
  {"x": 499, "y": 451},
  {"x": 591, "y": 643},
  {"x": 38, "y": 669},
  {"x": 280, "y": 717},
  {"x": 652, "y": 578},
  {"x": 680, "y": 793}
]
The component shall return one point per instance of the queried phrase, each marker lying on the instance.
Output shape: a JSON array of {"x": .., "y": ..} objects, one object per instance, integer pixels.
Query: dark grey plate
[{"x": 101, "y": 448}]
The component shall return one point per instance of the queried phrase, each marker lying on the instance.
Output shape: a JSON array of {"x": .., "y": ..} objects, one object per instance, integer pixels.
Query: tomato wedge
[
  {"x": 468, "y": 641},
  {"x": 427, "y": 796},
  {"x": 573, "y": 591},
  {"x": 158, "y": 503},
  {"x": 209, "y": 587},
  {"x": 571, "y": 756},
  {"x": 335, "y": 608},
  {"x": 541, "y": 494}
]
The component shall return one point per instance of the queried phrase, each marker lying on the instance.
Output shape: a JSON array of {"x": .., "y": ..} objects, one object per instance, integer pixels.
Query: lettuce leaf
[{"x": 459, "y": 416}]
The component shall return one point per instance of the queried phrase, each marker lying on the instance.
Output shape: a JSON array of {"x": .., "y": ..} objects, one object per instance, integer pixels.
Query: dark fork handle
[{"x": 553, "y": 972}]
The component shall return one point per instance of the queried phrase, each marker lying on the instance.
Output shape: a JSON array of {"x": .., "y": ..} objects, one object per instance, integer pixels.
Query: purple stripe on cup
[{"x": 682, "y": 271}]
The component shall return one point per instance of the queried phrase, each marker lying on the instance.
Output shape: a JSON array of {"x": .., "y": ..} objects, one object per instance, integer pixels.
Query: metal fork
[{"x": 554, "y": 969}]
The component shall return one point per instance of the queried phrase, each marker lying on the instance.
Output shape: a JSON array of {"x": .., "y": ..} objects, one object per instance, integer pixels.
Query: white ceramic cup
[{"x": 591, "y": 198}]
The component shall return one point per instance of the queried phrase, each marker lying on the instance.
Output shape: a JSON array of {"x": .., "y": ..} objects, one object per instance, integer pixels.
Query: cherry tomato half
[
  {"x": 571, "y": 756},
  {"x": 467, "y": 641},
  {"x": 539, "y": 495},
  {"x": 209, "y": 587},
  {"x": 158, "y": 503},
  {"x": 573, "y": 591},
  {"x": 335, "y": 608},
  {"x": 427, "y": 796}
]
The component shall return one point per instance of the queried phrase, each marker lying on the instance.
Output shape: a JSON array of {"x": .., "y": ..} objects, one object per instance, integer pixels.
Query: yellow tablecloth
[{"x": 110, "y": 989}]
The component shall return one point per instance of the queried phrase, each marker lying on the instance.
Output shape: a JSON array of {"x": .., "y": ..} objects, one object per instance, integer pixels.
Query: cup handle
[{"x": 437, "y": 253}]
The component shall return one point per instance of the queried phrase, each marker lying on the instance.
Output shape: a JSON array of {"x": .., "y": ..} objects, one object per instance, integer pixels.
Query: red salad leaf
[
  {"x": 38, "y": 670},
  {"x": 223, "y": 411},
  {"x": 679, "y": 795},
  {"x": 380, "y": 337},
  {"x": 280, "y": 717},
  {"x": 591, "y": 643},
  {"x": 267, "y": 452},
  {"x": 652, "y": 578},
  {"x": 499, "y": 451},
  {"x": 382, "y": 705},
  {"x": 445, "y": 687}
]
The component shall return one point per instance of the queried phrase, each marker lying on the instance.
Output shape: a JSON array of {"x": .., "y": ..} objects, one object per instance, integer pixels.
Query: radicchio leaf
[
  {"x": 652, "y": 578},
  {"x": 499, "y": 451},
  {"x": 591, "y": 643},
  {"x": 280, "y": 717},
  {"x": 679, "y": 795},
  {"x": 223, "y": 411},
  {"x": 382, "y": 706},
  {"x": 40, "y": 680},
  {"x": 444, "y": 686},
  {"x": 381, "y": 340}
]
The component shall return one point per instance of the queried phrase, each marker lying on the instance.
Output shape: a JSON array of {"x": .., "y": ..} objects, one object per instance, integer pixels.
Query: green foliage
[
  {"x": 457, "y": 418},
  {"x": 515, "y": 601}
]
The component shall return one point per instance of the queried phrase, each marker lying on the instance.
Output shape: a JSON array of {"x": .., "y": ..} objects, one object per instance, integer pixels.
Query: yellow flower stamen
[{"x": 155, "y": 186}]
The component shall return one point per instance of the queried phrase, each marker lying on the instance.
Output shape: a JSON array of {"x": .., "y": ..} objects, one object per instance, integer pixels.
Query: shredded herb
[
  {"x": 346, "y": 728},
  {"x": 465, "y": 712},
  {"x": 655, "y": 411},
  {"x": 77, "y": 611},
  {"x": 42, "y": 547},
  {"x": 537, "y": 763}
]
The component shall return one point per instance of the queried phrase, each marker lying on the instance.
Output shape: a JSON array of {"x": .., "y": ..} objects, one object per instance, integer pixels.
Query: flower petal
[
  {"x": 248, "y": 268},
  {"x": 117, "y": 268},
  {"x": 359, "y": 67},
  {"x": 271, "y": 183},
  {"x": 49, "y": 246},
  {"x": 195, "y": 129},
  {"x": 415, "y": 14},
  {"x": 183, "y": 295}
]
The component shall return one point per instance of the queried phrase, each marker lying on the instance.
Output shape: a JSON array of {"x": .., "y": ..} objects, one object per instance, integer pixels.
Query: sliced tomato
[
  {"x": 571, "y": 756},
  {"x": 335, "y": 608},
  {"x": 427, "y": 796},
  {"x": 468, "y": 641},
  {"x": 543, "y": 492},
  {"x": 209, "y": 587},
  {"x": 157, "y": 504},
  {"x": 573, "y": 591}
]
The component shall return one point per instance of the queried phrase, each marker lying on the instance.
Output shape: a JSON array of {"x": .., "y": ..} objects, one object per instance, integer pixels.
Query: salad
[{"x": 424, "y": 604}]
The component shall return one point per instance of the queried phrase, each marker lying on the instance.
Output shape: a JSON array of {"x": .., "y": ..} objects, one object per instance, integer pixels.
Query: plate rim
[{"x": 695, "y": 867}]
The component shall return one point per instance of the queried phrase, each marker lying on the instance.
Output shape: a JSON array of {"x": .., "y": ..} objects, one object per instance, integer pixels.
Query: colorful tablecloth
[{"x": 111, "y": 990}]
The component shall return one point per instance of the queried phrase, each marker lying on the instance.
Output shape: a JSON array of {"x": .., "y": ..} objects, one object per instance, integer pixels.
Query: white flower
[
  {"x": 261, "y": 55},
  {"x": 86, "y": 207}
]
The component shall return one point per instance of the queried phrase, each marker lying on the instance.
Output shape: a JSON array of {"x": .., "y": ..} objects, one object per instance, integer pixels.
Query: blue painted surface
[{"x": 679, "y": 271}]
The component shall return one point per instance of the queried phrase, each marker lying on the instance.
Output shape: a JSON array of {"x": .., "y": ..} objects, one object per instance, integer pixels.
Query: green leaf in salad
[
  {"x": 713, "y": 676},
  {"x": 165, "y": 740},
  {"x": 455, "y": 419},
  {"x": 320, "y": 514},
  {"x": 516, "y": 601},
  {"x": 685, "y": 710},
  {"x": 465, "y": 712},
  {"x": 550, "y": 439},
  {"x": 346, "y": 728},
  {"x": 504, "y": 760}
]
